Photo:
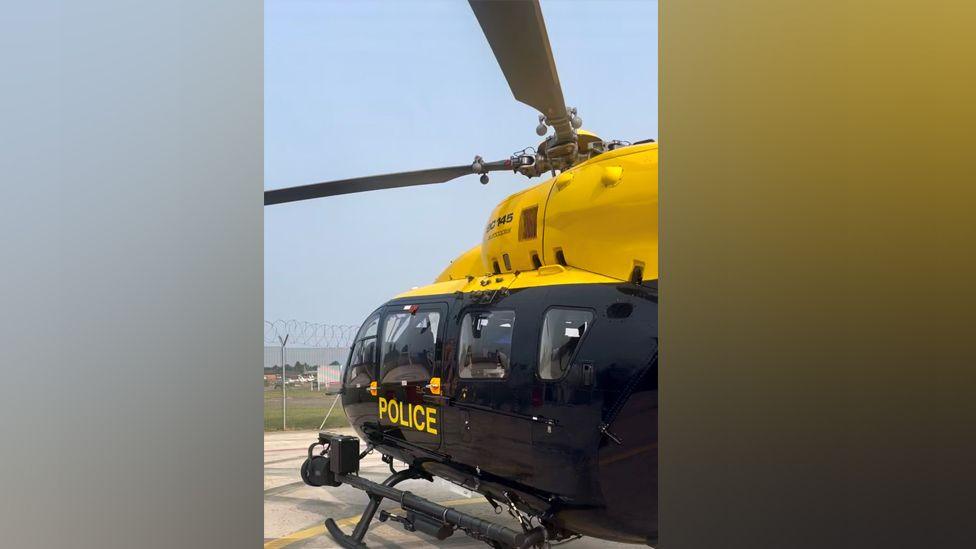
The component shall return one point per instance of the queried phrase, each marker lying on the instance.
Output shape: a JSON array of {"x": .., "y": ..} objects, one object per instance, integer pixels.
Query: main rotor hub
[{"x": 571, "y": 114}]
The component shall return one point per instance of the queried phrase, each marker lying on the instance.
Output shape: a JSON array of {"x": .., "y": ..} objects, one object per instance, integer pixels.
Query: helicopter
[{"x": 527, "y": 371}]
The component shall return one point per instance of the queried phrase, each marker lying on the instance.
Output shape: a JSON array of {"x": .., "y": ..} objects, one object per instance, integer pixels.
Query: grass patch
[{"x": 306, "y": 408}]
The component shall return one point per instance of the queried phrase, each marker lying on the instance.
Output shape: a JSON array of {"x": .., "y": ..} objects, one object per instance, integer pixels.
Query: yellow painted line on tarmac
[{"x": 319, "y": 529}]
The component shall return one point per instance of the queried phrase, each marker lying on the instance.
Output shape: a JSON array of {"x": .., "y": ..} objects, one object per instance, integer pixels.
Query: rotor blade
[
  {"x": 517, "y": 35},
  {"x": 362, "y": 184}
]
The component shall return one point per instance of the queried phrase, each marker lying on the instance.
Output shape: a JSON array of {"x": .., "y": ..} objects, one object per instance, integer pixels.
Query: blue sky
[{"x": 360, "y": 88}]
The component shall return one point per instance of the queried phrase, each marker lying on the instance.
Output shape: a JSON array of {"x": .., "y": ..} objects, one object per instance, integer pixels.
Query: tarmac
[{"x": 294, "y": 512}]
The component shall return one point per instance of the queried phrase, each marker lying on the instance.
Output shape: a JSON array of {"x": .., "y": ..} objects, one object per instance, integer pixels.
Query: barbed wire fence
[
  {"x": 308, "y": 334},
  {"x": 302, "y": 356}
]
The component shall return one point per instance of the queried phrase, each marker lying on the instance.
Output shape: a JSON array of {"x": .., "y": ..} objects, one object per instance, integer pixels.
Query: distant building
[
  {"x": 329, "y": 375},
  {"x": 312, "y": 356}
]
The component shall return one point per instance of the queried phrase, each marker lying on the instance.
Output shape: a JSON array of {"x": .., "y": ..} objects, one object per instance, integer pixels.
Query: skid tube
[
  {"x": 422, "y": 514},
  {"x": 433, "y": 512}
]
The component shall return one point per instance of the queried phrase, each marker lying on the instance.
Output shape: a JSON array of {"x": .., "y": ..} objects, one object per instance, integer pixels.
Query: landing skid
[
  {"x": 355, "y": 541},
  {"x": 338, "y": 463}
]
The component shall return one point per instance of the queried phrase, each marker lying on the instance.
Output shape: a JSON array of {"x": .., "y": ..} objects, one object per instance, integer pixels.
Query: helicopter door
[
  {"x": 566, "y": 373},
  {"x": 410, "y": 349},
  {"x": 360, "y": 370},
  {"x": 489, "y": 434}
]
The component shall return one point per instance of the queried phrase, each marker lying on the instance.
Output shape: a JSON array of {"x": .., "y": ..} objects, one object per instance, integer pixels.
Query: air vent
[
  {"x": 560, "y": 257},
  {"x": 508, "y": 262},
  {"x": 528, "y": 223},
  {"x": 637, "y": 275},
  {"x": 620, "y": 310},
  {"x": 495, "y": 265},
  {"x": 536, "y": 262}
]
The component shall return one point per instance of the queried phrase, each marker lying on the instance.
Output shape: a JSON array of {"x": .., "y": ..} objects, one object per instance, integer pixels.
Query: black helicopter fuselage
[
  {"x": 535, "y": 385},
  {"x": 547, "y": 398}
]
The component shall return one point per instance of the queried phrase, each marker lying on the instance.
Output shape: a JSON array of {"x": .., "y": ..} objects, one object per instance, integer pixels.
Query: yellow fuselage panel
[
  {"x": 600, "y": 218},
  {"x": 437, "y": 288},
  {"x": 603, "y": 214},
  {"x": 467, "y": 264},
  {"x": 548, "y": 275},
  {"x": 513, "y": 232}
]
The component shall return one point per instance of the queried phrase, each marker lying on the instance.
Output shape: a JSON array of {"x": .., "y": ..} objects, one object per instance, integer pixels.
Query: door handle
[{"x": 587, "y": 378}]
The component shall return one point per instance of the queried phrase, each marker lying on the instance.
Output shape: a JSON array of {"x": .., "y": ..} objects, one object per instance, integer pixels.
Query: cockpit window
[
  {"x": 486, "y": 344},
  {"x": 562, "y": 331},
  {"x": 409, "y": 346},
  {"x": 362, "y": 358}
]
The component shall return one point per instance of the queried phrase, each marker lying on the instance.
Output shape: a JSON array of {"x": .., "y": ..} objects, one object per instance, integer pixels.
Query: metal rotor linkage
[
  {"x": 516, "y": 163},
  {"x": 571, "y": 114}
]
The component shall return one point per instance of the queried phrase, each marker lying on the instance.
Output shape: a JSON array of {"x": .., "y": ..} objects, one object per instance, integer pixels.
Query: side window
[
  {"x": 362, "y": 358},
  {"x": 562, "y": 331},
  {"x": 486, "y": 344},
  {"x": 408, "y": 346}
]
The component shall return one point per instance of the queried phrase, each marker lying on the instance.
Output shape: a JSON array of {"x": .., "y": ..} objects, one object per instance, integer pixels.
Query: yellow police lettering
[
  {"x": 404, "y": 416},
  {"x": 415, "y": 416},
  {"x": 418, "y": 424},
  {"x": 393, "y": 412},
  {"x": 431, "y": 420}
]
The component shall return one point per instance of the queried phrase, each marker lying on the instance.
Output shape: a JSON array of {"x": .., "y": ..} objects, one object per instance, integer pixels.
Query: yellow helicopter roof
[{"x": 593, "y": 223}]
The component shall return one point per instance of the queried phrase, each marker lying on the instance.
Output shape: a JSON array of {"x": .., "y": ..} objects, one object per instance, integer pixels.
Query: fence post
[{"x": 284, "y": 379}]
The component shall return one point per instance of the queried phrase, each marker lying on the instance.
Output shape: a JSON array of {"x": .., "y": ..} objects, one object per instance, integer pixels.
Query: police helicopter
[{"x": 527, "y": 371}]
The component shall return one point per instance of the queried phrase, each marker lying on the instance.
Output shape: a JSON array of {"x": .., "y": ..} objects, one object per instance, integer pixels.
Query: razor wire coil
[{"x": 308, "y": 334}]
